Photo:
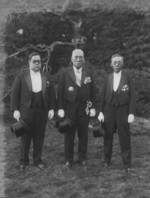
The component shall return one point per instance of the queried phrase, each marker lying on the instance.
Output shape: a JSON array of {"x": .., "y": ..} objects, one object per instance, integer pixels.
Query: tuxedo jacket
[
  {"x": 22, "y": 91},
  {"x": 126, "y": 95},
  {"x": 67, "y": 89}
]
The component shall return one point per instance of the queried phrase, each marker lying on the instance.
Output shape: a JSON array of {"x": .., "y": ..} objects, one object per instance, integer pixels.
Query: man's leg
[
  {"x": 124, "y": 135},
  {"x": 82, "y": 129},
  {"x": 39, "y": 133},
  {"x": 109, "y": 127},
  {"x": 69, "y": 146},
  {"x": 25, "y": 142},
  {"x": 71, "y": 113}
]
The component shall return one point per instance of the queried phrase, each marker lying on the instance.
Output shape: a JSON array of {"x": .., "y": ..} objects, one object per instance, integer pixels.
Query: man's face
[
  {"x": 77, "y": 61},
  {"x": 35, "y": 63},
  {"x": 117, "y": 63}
]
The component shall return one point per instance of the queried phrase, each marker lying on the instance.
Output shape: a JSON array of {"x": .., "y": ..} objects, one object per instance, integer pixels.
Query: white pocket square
[{"x": 87, "y": 80}]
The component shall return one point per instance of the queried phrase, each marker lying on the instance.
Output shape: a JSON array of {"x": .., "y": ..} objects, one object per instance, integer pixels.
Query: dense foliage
[{"x": 106, "y": 32}]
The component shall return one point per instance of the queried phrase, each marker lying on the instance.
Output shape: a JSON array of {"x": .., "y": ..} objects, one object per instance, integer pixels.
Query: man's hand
[
  {"x": 61, "y": 113},
  {"x": 50, "y": 114},
  {"x": 101, "y": 117},
  {"x": 92, "y": 112},
  {"x": 130, "y": 118},
  {"x": 16, "y": 115}
]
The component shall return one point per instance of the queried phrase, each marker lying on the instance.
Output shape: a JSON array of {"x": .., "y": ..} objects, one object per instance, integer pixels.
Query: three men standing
[
  {"x": 33, "y": 100},
  {"x": 76, "y": 100},
  {"x": 117, "y": 111}
]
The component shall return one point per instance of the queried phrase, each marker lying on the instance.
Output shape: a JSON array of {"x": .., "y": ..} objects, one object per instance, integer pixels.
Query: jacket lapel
[
  {"x": 122, "y": 82},
  {"x": 72, "y": 75},
  {"x": 83, "y": 75},
  {"x": 110, "y": 81},
  {"x": 43, "y": 78},
  {"x": 28, "y": 81}
]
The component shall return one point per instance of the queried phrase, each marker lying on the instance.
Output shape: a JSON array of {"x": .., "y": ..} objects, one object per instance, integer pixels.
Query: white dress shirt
[
  {"x": 36, "y": 81},
  {"x": 78, "y": 74},
  {"x": 117, "y": 77}
]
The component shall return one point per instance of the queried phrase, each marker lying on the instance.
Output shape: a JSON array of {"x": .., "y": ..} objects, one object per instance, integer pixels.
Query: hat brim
[
  {"x": 64, "y": 125},
  {"x": 19, "y": 128},
  {"x": 97, "y": 128}
]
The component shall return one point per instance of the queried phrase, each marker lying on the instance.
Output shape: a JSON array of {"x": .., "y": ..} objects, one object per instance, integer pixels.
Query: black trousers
[
  {"x": 116, "y": 118},
  {"x": 36, "y": 119},
  {"x": 76, "y": 112}
]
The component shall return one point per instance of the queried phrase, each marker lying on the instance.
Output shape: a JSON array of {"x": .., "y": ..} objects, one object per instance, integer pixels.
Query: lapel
[
  {"x": 28, "y": 81},
  {"x": 83, "y": 75},
  {"x": 72, "y": 75},
  {"x": 122, "y": 82},
  {"x": 110, "y": 81},
  {"x": 43, "y": 79}
]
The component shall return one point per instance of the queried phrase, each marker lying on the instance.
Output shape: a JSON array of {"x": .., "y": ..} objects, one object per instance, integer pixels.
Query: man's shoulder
[
  {"x": 67, "y": 70},
  {"x": 45, "y": 74},
  {"x": 125, "y": 73},
  {"x": 22, "y": 74},
  {"x": 89, "y": 71},
  {"x": 109, "y": 75}
]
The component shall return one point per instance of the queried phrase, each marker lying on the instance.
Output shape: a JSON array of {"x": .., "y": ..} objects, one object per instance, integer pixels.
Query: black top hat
[
  {"x": 64, "y": 125},
  {"x": 19, "y": 128},
  {"x": 97, "y": 128}
]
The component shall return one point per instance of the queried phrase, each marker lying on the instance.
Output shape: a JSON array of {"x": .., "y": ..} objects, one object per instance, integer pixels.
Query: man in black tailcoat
[
  {"x": 117, "y": 111},
  {"x": 33, "y": 100},
  {"x": 76, "y": 100}
]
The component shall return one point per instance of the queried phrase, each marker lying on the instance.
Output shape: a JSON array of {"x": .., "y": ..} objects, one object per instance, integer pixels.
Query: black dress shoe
[
  {"x": 68, "y": 164},
  {"x": 106, "y": 165},
  {"x": 41, "y": 166},
  {"x": 22, "y": 167}
]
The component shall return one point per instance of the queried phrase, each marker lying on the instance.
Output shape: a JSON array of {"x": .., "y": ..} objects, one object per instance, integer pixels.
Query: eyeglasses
[
  {"x": 36, "y": 61},
  {"x": 78, "y": 58}
]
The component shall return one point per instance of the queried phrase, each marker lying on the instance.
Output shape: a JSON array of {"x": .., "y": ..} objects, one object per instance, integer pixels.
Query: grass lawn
[{"x": 78, "y": 182}]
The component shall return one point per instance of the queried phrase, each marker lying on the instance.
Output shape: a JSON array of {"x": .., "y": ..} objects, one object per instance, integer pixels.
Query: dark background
[{"x": 106, "y": 32}]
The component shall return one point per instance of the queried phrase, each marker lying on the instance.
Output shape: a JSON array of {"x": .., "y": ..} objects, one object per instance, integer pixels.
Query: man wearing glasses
[
  {"x": 117, "y": 110},
  {"x": 33, "y": 100}
]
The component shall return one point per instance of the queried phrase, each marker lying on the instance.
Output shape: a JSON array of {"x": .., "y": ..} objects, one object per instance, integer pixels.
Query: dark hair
[{"x": 33, "y": 54}]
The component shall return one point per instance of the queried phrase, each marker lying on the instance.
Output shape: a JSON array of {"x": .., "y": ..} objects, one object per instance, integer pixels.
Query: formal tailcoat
[
  {"x": 125, "y": 91},
  {"x": 116, "y": 115},
  {"x": 67, "y": 89},
  {"x": 74, "y": 99},
  {"x": 22, "y": 91},
  {"x": 34, "y": 117}
]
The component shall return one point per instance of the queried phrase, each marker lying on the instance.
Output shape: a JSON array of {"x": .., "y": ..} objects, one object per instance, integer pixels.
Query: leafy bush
[{"x": 106, "y": 31}]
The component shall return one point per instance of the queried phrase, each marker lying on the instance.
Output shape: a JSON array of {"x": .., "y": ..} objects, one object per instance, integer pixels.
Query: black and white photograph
[{"x": 75, "y": 99}]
